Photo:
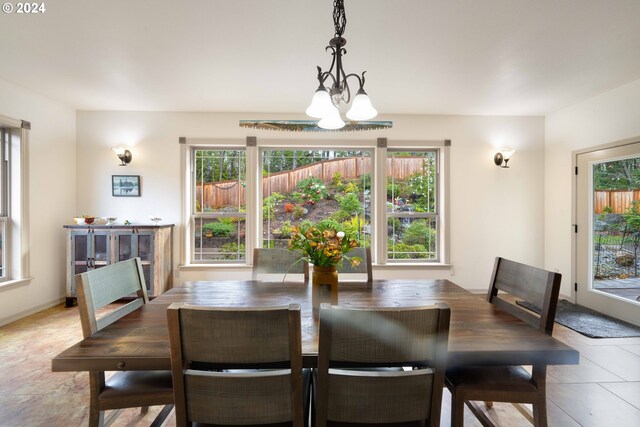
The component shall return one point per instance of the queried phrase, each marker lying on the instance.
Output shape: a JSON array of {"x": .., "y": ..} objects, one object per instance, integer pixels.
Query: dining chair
[
  {"x": 96, "y": 289},
  {"x": 237, "y": 366},
  {"x": 363, "y": 268},
  {"x": 282, "y": 262},
  {"x": 511, "y": 384},
  {"x": 356, "y": 348}
]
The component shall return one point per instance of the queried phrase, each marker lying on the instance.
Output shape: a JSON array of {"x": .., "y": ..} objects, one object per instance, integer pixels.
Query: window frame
[
  {"x": 254, "y": 232},
  {"x": 5, "y": 196},
  {"x": 15, "y": 203},
  {"x": 438, "y": 199}
]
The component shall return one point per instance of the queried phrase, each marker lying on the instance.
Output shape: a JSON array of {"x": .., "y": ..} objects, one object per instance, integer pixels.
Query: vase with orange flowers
[{"x": 326, "y": 247}]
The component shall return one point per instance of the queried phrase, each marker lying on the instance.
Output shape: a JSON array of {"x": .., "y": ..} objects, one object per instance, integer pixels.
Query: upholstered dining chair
[
  {"x": 363, "y": 268},
  {"x": 509, "y": 383},
  {"x": 97, "y": 289},
  {"x": 237, "y": 366},
  {"x": 356, "y": 348},
  {"x": 268, "y": 262}
]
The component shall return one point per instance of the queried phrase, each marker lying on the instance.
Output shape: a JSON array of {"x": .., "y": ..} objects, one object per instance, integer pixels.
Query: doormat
[{"x": 588, "y": 322}]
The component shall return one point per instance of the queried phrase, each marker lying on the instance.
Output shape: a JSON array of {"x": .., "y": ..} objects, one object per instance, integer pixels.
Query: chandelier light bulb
[
  {"x": 361, "y": 108},
  {"x": 332, "y": 121},
  {"x": 321, "y": 105}
]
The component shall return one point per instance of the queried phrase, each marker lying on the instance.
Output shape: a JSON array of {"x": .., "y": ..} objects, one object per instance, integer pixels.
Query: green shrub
[
  {"x": 351, "y": 188},
  {"x": 269, "y": 204},
  {"x": 340, "y": 216},
  {"x": 298, "y": 212},
  {"x": 287, "y": 229},
  {"x": 366, "y": 180},
  {"x": 329, "y": 223},
  {"x": 337, "y": 178},
  {"x": 354, "y": 226},
  {"x": 219, "y": 228},
  {"x": 419, "y": 233},
  {"x": 397, "y": 188},
  {"x": 312, "y": 190},
  {"x": 417, "y": 251},
  {"x": 350, "y": 203},
  {"x": 422, "y": 190},
  {"x": 230, "y": 251}
]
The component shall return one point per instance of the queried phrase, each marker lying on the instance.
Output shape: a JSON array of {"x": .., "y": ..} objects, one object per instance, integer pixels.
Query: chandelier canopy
[{"x": 328, "y": 99}]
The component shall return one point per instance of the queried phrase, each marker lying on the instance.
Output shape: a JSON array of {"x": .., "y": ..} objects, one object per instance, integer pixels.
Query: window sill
[
  {"x": 213, "y": 266},
  {"x": 15, "y": 283},
  {"x": 431, "y": 266},
  {"x": 417, "y": 265}
]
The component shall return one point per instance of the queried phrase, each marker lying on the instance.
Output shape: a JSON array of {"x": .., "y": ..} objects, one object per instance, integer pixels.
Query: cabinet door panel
[
  {"x": 80, "y": 248},
  {"x": 146, "y": 269},
  {"x": 145, "y": 245},
  {"x": 101, "y": 248},
  {"x": 125, "y": 246}
]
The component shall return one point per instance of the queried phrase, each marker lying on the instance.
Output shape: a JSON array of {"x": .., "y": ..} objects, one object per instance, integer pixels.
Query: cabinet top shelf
[{"x": 116, "y": 226}]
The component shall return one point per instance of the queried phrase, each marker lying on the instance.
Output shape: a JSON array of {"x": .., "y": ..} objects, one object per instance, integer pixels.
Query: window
[
  {"x": 412, "y": 205},
  {"x": 4, "y": 202},
  {"x": 219, "y": 208},
  {"x": 14, "y": 201},
  {"x": 315, "y": 185},
  {"x": 391, "y": 199}
]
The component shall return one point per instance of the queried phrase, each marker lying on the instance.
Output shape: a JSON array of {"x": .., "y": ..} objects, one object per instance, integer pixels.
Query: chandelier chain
[{"x": 339, "y": 17}]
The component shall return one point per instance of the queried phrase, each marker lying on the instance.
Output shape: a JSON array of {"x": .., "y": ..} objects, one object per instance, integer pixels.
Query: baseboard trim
[{"x": 18, "y": 316}]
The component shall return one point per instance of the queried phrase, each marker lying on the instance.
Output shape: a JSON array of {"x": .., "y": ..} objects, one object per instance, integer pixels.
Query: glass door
[
  {"x": 99, "y": 248},
  {"x": 608, "y": 231},
  {"x": 134, "y": 243}
]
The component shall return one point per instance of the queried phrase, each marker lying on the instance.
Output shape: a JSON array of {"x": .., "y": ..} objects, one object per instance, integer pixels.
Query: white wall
[
  {"x": 493, "y": 211},
  {"x": 609, "y": 117},
  {"x": 52, "y": 182}
]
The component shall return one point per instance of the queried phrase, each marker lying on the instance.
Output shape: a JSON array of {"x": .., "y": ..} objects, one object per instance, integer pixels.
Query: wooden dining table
[{"x": 480, "y": 333}]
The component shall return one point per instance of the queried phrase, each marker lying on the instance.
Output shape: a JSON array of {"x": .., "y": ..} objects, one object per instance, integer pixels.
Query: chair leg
[
  {"x": 540, "y": 413},
  {"x": 96, "y": 417},
  {"x": 457, "y": 410},
  {"x": 488, "y": 404},
  {"x": 144, "y": 410}
]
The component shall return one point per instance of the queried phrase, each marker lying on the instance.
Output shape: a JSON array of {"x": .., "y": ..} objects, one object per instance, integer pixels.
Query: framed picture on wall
[{"x": 125, "y": 185}]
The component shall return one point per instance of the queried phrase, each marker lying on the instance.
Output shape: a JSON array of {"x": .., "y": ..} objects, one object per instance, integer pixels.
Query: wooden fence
[
  {"x": 230, "y": 193},
  {"x": 618, "y": 200}
]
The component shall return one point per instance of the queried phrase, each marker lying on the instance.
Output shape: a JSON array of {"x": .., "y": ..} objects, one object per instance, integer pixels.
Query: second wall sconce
[
  {"x": 502, "y": 157},
  {"x": 123, "y": 154}
]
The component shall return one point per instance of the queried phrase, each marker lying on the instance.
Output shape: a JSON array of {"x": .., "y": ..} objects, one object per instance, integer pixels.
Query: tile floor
[{"x": 603, "y": 390}]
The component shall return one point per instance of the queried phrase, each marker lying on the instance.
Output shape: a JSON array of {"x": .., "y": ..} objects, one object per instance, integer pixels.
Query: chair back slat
[
  {"x": 370, "y": 339},
  {"x": 398, "y": 396},
  {"x": 363, "y": 268},
  {"x": 381, "y": 335},
  {"x": 225, "y": 399},
  {"x": 227, "y": 338},
  {"x": 103, "y": 286},
  {"x": 112, "y": 282},
  {"x": 533, "y": 285},
  {"x": 274, "y": 261},
  {"x": 235, "y": 335}
]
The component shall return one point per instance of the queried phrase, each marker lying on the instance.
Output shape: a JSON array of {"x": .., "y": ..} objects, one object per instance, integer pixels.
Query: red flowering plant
[
  {"x": 323, "y": 244},
  {"x": 311, "y": 190}
]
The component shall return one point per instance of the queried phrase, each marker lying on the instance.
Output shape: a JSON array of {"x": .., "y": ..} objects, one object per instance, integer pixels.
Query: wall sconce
[
  {"x": 123, "y": 154},
  {"x": 502, "y": 157}
]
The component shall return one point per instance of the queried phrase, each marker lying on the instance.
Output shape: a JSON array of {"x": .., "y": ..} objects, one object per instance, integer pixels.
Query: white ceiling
[{"x": 514, "y": 57}]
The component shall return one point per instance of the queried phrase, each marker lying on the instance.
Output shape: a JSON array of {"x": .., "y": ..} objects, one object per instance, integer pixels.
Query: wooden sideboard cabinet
[{"x": 94, "y": 246}]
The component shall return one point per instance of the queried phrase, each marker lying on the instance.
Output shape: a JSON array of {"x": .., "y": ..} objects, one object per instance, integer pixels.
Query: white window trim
[
  {"x": 254, "y": 197},
  {"x": 19, "y": 253}
]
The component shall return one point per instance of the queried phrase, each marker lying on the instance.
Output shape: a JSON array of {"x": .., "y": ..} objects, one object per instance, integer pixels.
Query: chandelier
[{"x": 327, "y": 100}]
